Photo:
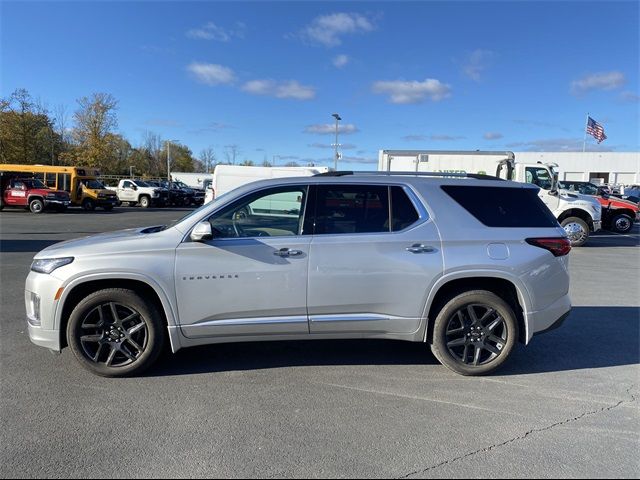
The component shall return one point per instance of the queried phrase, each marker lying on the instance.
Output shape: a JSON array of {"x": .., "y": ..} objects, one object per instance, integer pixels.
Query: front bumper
[
  {"x": 44, "y": 338},
  {"x": 597, "y": 226},
  {"x": 101, "y": 202},
  {"x": 56, "y": 202}
]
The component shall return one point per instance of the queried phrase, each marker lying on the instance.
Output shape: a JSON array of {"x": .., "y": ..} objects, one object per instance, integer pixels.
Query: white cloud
[
  {"x": 404, "y": 92},
  {"x": 286, "y": 89},
  {"x": 558, "y": 145},
  {"x": 211, "y": 31},
  {"x": 211, "y": 74},
  {"x": 435, "y": 138},
  {"x": 328, "y": 29},
  {"x": 361, "y": 160},
  {"x": 477, "y": 62},
  {"x": 330, "y": 129},
  {"x": 343, "y": 146},
  {"x": 341, "y": 61},
  {"x": 629, "y": 97},
  {"x": 492, "y": 136},
  {"x": 598, "y": 81}
]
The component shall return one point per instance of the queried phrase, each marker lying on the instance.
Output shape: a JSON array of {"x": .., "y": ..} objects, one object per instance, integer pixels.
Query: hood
[
  {"x": 120, "y": 241},
  {"x": 620, "y": 203}
]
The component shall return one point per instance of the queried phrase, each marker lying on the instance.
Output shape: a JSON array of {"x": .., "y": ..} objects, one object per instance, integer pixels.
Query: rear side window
[
  {"x": 403, "y": 212},
  {"x": 352, "y": 209},
  {"x": 503, "y": 207}
]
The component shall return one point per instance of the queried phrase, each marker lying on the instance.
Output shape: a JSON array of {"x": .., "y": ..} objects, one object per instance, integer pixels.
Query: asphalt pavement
[{"x": 565, "y": 406}]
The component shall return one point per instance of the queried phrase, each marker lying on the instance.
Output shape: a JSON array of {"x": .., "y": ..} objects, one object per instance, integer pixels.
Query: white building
[{"x": 615, "y": 168}]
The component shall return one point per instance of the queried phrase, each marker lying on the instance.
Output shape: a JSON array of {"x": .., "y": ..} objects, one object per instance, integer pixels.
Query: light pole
[
  {"x": 274, "y": 159},
  {"x": 335, "y": 158},
  {"x": 131, "y": 171},
  {"x": 169, "y": 158}
]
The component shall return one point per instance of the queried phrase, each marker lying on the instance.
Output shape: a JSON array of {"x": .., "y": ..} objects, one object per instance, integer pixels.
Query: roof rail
[{"x": 342, "y": 173}]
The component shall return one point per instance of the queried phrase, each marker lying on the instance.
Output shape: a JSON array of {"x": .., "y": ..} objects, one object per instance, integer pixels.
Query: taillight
[{"x": 559, "y": 246}]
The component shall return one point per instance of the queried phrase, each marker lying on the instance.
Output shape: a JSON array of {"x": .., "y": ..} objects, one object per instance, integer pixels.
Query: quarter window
[
  {"x": 276, "y": 212},
  {"x": 352, "y": 209},
  {"x": 403, "y": 212}
]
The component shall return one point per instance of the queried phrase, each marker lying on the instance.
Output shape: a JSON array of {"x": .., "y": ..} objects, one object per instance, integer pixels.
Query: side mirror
[
  {"x": 202, "y": 231},
  {"x": 134, "y": 187}
]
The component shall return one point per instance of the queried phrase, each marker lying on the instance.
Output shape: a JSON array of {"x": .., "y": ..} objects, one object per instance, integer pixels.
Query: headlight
[{"x": 48, "y": 265}]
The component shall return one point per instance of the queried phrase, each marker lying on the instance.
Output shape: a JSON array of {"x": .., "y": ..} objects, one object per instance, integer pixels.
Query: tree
[
  {"x": 292, "y": 164},
  {"x": 231, "y": 152},
  {"x": 26, "y": 131},
  {"x": 247, "y": 163},
  {"x": 208, "y": 158},
  {"x": 95, "y": 119}
]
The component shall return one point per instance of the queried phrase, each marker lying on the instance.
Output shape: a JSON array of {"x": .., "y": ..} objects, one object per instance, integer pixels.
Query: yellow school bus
[{"x": 82, "y": 183}]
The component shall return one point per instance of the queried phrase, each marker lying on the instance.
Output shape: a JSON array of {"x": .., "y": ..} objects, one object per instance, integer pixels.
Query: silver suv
[{"x": 467, "y": 265}]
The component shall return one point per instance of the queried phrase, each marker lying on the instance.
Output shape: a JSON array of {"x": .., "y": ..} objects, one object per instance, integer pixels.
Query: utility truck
[
  {"x": 578, "y": 214},
  {"x": 228, "y": 177},
  {"x": 141, "y": 193}
]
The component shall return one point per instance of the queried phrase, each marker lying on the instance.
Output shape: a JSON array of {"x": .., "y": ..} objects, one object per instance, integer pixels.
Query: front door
[
  {"x": 541, "y": 177},
  {"x": 373, "y": 258},
  {"x": 251, "y": 278}
]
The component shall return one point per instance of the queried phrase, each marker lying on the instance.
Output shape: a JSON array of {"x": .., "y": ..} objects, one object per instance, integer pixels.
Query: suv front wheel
[
  {"x": 474, "y": 333},
  {"x": 114, "y": 332}
]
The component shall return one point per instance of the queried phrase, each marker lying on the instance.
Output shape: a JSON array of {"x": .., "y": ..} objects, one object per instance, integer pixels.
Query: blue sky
[{"x": 266, "y": 76}]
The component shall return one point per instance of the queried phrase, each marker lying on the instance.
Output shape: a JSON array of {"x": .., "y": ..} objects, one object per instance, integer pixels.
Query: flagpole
[{"x": 584, "y": 144}]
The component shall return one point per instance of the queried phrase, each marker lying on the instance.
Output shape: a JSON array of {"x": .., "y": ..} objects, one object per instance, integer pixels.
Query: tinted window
[
  {"x": 276, "y": 212},
  {"x": 352, "y": 209},
  {"x": 403, "y": 212},
  {"x": 503, "y": 207}
]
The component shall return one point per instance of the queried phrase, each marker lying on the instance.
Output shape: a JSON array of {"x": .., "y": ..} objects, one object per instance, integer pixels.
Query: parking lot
[{"x": 565, "y": 406}]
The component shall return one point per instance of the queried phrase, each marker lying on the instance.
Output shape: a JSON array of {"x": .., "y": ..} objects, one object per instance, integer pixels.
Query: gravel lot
[{"x": 566, "y": 406}]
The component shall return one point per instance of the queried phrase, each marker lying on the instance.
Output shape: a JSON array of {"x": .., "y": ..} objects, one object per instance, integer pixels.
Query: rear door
[{"x": 373, "y": 256}]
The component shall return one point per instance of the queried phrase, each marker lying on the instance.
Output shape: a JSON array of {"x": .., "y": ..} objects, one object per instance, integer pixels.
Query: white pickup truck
[{"x": 141, "y": 193}]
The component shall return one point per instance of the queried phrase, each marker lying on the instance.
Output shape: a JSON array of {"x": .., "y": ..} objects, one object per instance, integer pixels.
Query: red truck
[
  {"x": 31, "y": 193},
  {"x": 618, "y": 215}
]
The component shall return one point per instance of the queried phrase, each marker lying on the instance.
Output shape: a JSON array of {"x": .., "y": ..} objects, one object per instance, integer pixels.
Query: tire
[
  {"x": 456, "y": 341},
  {"x": 577, "y": 230},
  {"x": 621, "y": 223},
  {"x": 89, "y": 205},
  {"x": 115, "y": 345},
  {"x": 108, "y": 208},
  {"x": 144, "y": 201},
  {"x": 186, "y": 202},
  {"x": 36, "y": 206}
]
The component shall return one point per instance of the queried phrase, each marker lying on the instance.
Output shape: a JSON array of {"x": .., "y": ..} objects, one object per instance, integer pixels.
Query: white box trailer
[
  {"x": 578, "y": 214},
  {"x": 229, "y": 177}
]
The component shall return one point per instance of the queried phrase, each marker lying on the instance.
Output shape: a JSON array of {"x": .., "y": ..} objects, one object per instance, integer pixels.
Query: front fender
[{"x": 167, "y": 301}]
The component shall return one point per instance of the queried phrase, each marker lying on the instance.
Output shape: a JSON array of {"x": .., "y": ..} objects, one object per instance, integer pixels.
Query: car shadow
[
  {"x": 592, "y": 337},
  {"x": 22, "y": 246}
]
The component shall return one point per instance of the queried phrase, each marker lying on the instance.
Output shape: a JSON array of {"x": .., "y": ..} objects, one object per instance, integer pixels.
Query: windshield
[{"x": 94, "y": 184}]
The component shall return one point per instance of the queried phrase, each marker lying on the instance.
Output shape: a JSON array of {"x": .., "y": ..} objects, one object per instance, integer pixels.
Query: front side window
[
  {"x": 275, "y": 212},
  {"x": 64, "y": 182},
  {"x": 351, "y": 209},
  {"x": 539, "y": 177}
]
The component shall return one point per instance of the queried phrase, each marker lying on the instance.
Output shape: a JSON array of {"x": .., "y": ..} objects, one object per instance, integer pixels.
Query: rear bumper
[
  {"x": 549, "y": 318},
  {"x": 102, "y": 202}
]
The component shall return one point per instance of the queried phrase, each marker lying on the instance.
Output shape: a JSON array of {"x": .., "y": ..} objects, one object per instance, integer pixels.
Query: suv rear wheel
[
  {"x": 474, "y": 333},
  {"x": 115, "y": 332}
]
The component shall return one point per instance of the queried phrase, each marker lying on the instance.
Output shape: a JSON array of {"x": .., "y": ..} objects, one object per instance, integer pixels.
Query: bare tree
[
  {"x": 61, "y": 120},
  {"x": 208, "y": 158},
  {"x": 231, "y": 152}
]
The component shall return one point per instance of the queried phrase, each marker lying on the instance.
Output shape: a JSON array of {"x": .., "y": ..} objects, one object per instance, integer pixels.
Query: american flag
[{"x": 595, "y": 129}]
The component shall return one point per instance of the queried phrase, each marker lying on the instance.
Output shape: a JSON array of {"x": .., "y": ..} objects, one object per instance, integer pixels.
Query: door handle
[
  {"x": 419, "y": 248},
  {"x": 287, "y": 252}
]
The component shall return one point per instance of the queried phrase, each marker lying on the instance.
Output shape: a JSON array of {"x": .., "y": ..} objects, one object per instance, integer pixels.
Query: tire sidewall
[
  {"x": 439, "y": 345},
  {"x": 144, "y": 201},
  {"x": 32, "y": 206},
  {"x": 128, "y": 298},
  {"x": 88, "y": 205},
  {"x": 618, "y": 217}
]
